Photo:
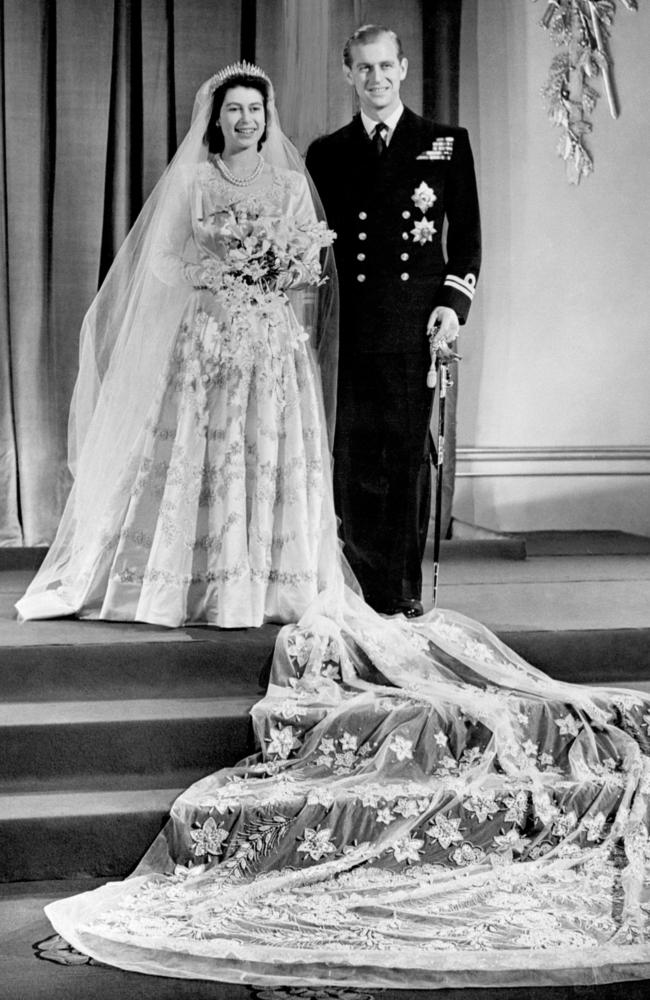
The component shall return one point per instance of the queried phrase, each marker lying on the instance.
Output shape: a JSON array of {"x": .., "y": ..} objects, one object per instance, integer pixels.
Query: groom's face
[{"x": 376, "y": 74}]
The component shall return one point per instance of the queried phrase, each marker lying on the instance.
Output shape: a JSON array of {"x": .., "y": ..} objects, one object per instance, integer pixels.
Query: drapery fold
[
  {"x": 93, "y": 96},
  {"x": 93, "y": 99},
  {"x": 441, "y": 27}
]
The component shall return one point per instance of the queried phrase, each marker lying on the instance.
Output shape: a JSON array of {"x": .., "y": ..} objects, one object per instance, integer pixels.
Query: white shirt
[{"x": 370, "y": 124}]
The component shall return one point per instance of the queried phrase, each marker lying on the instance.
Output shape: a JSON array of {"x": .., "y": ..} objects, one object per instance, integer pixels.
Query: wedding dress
[
  {"x": 216, "y": 515},
  {"x": 426, "y": 809}
]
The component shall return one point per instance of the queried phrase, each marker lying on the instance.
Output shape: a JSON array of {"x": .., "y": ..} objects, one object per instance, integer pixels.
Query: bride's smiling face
[{"x": 242, "y": 119}]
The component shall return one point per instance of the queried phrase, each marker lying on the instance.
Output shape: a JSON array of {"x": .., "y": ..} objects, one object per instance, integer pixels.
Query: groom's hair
[{"x": 369, "y": 33}]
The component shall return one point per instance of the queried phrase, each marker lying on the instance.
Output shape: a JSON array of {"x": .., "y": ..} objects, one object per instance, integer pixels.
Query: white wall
[{"x": 554, "y": 412}]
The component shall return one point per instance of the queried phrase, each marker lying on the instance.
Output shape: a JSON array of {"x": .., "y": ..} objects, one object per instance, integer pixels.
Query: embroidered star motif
[
  {"x": 423, "y": 197},
  {"x": 423, "y": 231}
]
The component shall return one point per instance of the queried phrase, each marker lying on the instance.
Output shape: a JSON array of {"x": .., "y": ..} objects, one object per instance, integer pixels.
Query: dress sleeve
[
  {"x": 302, "y": 203},
  {"x": 175, "y": 257}
]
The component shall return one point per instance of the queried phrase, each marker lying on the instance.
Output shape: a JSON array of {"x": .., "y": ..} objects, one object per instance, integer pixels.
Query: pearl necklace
[{"x": 234, "y": 178}]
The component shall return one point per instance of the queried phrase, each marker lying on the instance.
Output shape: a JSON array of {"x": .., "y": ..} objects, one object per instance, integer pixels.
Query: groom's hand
[{"x": 442, "y": 330}]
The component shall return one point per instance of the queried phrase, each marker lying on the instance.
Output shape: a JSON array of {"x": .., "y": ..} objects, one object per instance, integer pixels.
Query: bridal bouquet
[{"x": 264, "y": 255}]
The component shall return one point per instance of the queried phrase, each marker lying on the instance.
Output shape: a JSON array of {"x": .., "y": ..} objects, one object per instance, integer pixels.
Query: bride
[
  {"x": 426, "y": 809},
  {"x": 198, "y": 434}
]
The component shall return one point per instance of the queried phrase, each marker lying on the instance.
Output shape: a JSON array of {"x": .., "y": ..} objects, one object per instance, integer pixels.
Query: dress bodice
[{"x": 195, "y": 222}]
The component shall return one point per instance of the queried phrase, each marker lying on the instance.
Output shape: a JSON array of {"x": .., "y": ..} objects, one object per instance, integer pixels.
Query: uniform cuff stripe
[{"x": 466, "y": 287}]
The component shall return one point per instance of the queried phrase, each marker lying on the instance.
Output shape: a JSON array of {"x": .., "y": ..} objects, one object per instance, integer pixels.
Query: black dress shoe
[{"x": 408, "y": 607}]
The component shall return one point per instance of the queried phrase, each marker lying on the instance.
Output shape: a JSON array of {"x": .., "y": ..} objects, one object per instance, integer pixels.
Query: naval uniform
[{"x": 388, "y": 211}]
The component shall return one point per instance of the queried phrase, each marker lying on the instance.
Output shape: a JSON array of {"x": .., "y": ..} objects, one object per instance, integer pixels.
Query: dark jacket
[{"x": 389, "y": 281}]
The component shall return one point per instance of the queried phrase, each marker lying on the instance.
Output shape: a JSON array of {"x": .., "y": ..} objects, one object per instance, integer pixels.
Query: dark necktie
[{"x": 378, "y": 140}]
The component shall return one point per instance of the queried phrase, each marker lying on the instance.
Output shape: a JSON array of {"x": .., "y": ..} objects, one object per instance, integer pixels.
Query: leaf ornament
[{"x": 580, "y": 29}]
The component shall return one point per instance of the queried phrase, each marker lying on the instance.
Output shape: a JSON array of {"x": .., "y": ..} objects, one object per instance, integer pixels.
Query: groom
[{"x": 387, "y": 181}]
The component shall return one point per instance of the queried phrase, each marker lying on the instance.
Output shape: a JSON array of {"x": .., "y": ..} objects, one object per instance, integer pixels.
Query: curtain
[
  {"x": 93, "y": 97},
  {"x": 441, "y": 26}
]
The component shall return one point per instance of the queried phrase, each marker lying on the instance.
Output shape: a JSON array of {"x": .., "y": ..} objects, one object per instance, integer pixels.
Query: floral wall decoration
[{"x": 581, "y": 30}]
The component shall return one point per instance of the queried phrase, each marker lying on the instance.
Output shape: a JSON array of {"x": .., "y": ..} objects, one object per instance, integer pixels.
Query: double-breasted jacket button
[
  {"x": 363, "y": 215},
  {"x": 361, "y": 277},
  {"x": 404, "y": 276},
  {"x": 406, "y": 214},
  {"x": 404, "y": 256},
  {"x": 361, "y": 256},
  {"x": 363, "y": 236}
]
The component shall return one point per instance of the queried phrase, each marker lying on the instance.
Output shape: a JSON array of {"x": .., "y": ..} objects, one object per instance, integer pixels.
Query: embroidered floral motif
[
  {"x": 402, "y": 748},
  {"x": 467, "y": 855},
  {"x": 568, "y": 725},
  {"x": 512, "y": 841},
  {"x": 317, "y": 844},
  {"x": 408, "y": 849},
  {"x": 445, "y": 830},
  {"x": 282, "y": 741},
  {"x": 209, "y": 838}
]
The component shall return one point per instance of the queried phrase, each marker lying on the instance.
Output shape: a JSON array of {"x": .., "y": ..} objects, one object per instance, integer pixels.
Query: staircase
[{"x": 97, "y": 739}]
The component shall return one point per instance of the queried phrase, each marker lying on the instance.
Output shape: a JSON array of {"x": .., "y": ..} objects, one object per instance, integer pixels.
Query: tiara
[{"x": 237, "y": 69}]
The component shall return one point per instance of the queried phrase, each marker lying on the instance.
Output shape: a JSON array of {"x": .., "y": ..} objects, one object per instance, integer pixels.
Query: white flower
[
  {"x": 282, "y": 741},
  {"x": 344, "y": 761},
  {"x": 406, "y": 807},
  {"x": 384, "y": 815},
  {"x": 331, "y": 670},
  {"x": 594, "y": 826},
  {"x": 299, "y": 646},
  {"x": 370, "y": 799},
  {"x": 209, "y": 838},
  {"x": 483, "y": 804},
  {"x": 546, "y": 811},
  {"x": 516, "y": 807},
  {"x": 290, "y": 709},
  {"x": 448, "y": 763},
  {"x": 423, "y": 197},
  {"x": 402, "y": 748},
  {"x": 568, "y": 726},
  {"x": 530, "y": 748},
  {"x": 446, "y": 831},
  {"x": 423, "y": 231},
  {"x": 348, "y": 742},
  {"x": 408, "y": 849},
  {"x": 467, "y": 855},
  {"x": 440, "y": 738},
  {"x": 320, "y": 797},
  {"x": 317, "y": 844},
  {"x": 511, "y": 841},
  {"x": 564, "y": 824}
]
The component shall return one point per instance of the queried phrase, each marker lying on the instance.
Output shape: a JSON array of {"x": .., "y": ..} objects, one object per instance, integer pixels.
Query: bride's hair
[{"x": 213, "y": 137}]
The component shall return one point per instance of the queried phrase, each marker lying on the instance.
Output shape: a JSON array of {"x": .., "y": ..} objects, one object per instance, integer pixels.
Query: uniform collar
[{"x": 392, "y": 120}]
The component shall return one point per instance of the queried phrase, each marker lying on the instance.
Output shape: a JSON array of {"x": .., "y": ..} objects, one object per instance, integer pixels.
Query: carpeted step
[
  {"x": 60, "y": 835},
  {"x": 194, "y": 663},
  {"x": 585, "y": 656},
  {"x": 66, "y": 739}
]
